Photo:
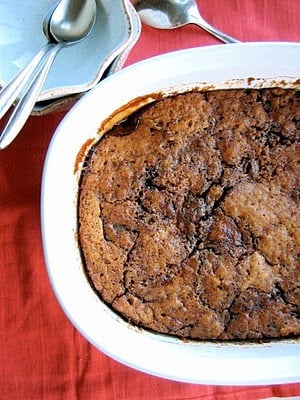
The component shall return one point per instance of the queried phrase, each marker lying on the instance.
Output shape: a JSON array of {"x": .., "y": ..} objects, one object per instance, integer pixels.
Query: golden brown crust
[{"x": 189, "y": 215}]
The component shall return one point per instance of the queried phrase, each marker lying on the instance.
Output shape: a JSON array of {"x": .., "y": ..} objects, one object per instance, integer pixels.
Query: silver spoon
[
  {"x": 70, "y": 22},
  {"x": 170, "y": 14}
]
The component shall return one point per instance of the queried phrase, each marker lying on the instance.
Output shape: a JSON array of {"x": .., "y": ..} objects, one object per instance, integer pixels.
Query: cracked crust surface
[{"x": 189, "y": 215}]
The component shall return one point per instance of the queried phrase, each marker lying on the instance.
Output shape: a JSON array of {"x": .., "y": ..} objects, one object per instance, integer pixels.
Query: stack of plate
[{"x": 77, "y": 68}]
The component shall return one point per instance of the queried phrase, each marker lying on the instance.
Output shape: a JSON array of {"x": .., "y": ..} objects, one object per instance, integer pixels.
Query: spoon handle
[
  {"x": 26, "y": 102},
  {"x": 215, "y": 32},
  {"x": 196, "y": 18},
  {"x": 11, "y": 91}
]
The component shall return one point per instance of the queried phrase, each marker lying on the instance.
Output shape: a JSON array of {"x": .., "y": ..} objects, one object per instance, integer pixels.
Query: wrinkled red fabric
[{"x": 42, "y": 356}]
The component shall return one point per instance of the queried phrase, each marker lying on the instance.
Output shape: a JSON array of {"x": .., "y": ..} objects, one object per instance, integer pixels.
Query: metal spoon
[
  {"x": 70, "y": 22},
  {"x": 170, "y": 14}
]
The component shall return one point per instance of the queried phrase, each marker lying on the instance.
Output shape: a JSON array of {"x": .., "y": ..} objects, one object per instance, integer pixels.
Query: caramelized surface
[{"x": 189, "y": 215}]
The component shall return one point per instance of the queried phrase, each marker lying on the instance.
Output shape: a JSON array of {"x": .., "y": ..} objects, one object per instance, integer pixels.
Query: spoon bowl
[
  {"x": 171, "y": 14},
  {"x": 70, "y": 22}
]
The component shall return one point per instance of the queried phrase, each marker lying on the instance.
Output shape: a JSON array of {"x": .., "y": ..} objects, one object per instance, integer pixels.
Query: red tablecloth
[{"x": 42, "y": 356}]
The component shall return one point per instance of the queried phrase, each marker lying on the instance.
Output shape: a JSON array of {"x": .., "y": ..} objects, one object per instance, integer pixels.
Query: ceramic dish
[
  {"x": 205, "y": 362},
  {"x": 64, "y": 103},
  {"x": 22, "y": 37}
]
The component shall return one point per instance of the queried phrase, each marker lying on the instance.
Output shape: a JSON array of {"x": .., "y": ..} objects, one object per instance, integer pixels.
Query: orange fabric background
[{"x": 42, "y": 356}]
